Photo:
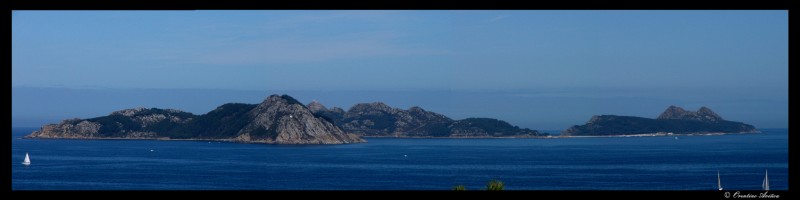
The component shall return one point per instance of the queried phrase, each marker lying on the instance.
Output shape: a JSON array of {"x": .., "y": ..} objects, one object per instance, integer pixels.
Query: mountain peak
[
  {"x": 368, "y": 107},
  {"x": 707, "y": 113},
  {"x": 703, "y": 114},
  {"x": 672, "y": 112},
  {"x": 316, "y": 106},
  {"x": 284, "y": 120},
  {"x": 282, "y": 98},
  {"x": 416, "y": 109}
]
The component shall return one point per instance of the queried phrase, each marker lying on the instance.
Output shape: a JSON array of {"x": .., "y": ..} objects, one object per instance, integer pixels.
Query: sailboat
[
  {"x": 765, "y": 184},
  {"x": 719, "y": 183},
  {"x": 27, "y": 160}
]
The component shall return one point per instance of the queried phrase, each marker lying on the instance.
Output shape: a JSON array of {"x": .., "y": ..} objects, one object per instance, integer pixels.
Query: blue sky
[{"x": 544, "y": 63}]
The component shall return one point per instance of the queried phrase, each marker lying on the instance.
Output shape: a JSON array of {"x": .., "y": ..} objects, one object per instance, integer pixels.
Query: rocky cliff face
[
  {"x": 674, "y": 120},
  {"x": 284, "y": 120},
  {"x": 379, "y": 119},
  {"x": 73, "y": 128},
  {"x": 277, "y": 120}
]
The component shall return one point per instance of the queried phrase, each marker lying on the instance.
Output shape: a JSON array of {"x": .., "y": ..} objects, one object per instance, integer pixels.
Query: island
[
  {"x": 674, "y": 120},
  {"x": 377, "y": 119},
  {"x": 280, "y": 119}
]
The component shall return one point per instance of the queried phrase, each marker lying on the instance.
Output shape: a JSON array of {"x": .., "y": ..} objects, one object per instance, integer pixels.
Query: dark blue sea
[{"x": 632, "y": 163}]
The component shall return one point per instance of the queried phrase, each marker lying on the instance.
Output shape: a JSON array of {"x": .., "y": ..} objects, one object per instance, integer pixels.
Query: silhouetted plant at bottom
[
  {"x": 459, "y": 188},
  {"x": 494, "y": 185}
]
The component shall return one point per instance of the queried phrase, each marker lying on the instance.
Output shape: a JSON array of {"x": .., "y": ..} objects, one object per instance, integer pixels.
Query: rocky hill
[
  {"x": 480, "y": 127},
  {"x": 276, "y": 120},
  {"x": 674, "y": 120},
  {"x": 703, "y": 114},
  {"x": 379, "y": 119}
]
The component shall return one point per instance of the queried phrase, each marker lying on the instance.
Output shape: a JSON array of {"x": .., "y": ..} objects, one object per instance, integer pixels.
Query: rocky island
[
  {"x": 279, "y": 119},
  {"x": 674, "y": 120},
  {"x": 276, "y": 120}
]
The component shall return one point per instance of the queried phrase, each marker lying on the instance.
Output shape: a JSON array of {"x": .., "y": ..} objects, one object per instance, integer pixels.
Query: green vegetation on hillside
[
  {"x": 223, "y": 122},
  {"x": 113, "y": 125},
  {"x": 493, "y": 127}
]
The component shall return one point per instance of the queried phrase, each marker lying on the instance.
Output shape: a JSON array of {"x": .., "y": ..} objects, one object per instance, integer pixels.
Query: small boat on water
[
  {"x": 27, "y": 160},
  {"x": 765, "y": 183},
  {"x": 719, "y": 183}
]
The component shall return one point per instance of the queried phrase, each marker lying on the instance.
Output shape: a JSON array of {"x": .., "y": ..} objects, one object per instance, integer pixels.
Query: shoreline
[
  {"x": 663, "y": 134},
  {"x": 559, "y": 136},
  {"x": 410, "y": 137},
  {"x": 170, "y": 139},
  {"x": 107, "y": 138},
  {"x": 460, "y": 137}
]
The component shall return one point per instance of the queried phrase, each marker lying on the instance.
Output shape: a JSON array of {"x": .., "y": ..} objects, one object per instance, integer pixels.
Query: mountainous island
[
  {"x": 279, "y": 119},
  {"x": 674, "y": 120},
  {"x": 276, "y": 120}
]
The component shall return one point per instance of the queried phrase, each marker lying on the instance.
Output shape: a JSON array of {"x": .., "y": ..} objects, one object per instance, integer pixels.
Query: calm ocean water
[{"x": 635, "y": 163}]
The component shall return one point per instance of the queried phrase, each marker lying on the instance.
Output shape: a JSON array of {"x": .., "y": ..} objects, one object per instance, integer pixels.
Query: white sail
[
  {"x": 765, "y": 184},
  {"x": 27, "y": 160},
  {"x": 719, "y": 183}
]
